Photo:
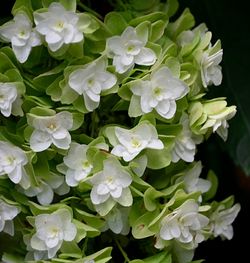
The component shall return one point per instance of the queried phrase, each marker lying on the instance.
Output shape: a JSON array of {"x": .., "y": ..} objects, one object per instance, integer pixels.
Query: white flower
[
  {"x": 52, "y": 230},
  {"x": 45, "y": 189},
  {"x": 129, "y": 143},
  {"x": 78, "y": 165},
  {"x": 184, "y": 224},
  {"x": 111, "y": 184},
  {"x": 184, "y": 146},
  {"x": 7, "y": 214},
  {"x": 51, "y": 129},
  {"x": 12, "y": 161},
  {"x": 192, "y": 182},
  {"x": 129, "y": 49},
  {"x": 222, "y": 219},
  {"x": 210, "y": 68},
  {"x": 58, "y": 25},
  {"x": 91, "y": 81},
  {"x": 159, "y": 93},
  {"x": 21, "y": 35},
  {"x": 8, "y": 95}
]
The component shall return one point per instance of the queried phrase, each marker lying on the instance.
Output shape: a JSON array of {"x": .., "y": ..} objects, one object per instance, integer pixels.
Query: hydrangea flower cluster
[{"x": 100, "y": 121}]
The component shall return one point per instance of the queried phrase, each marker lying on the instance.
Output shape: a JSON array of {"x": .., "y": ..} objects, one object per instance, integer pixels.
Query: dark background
[{"x": 229, "y": 21}]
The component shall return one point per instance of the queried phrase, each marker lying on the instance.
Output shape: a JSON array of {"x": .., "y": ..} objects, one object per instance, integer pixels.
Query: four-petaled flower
[
  {"x": 58, "y": 25},
  {"x": 91, "y": 81},
  {"x": 7, "y": 214},
  {"x": 51, "y": 129},
  {"x": 129, "y": 49},
  {"x": 159, "y": 93},
  {"x": 184, "y": 224},
  {"x": 129, "y": 143},
  {"x": 12, "y": 161},
  {"x": 78, "y": 164},
  {"x": 221, "y": 221},
  {"x": 21, "y": 35},
  {"x": 111, "y": 185},
  {"x": 52, "y": 230}
]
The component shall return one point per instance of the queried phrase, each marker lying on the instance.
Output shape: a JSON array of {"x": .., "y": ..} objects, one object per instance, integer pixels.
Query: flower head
[
  {"x": 78, "y": 165},
  {"x": 12, "y": 161},
  {"x": 210, "y": 68},
  {"x": 222, "y": 219},
  {"x": 51, "y": 129},
  {"x": 91, "y": 81},
  {"x": 111, "y": 184},
  {"x": 129, "y": 143},
  {"x": 211, "y": 115},
  {"x": 8, "y": 95},
  {"x": 184, "y": 146},
  {"x": 21, "y": 35},
  {"x": 7, "y": 214},
  {"x": 192, "y": 182},
  {"x": 45, "y": 189},
  {"x": 58, "y": 25},
  {"x": 52, "y": 230},
  {"x": 184, "y": 224},
  {"x": 159, "y": 93},
  {"x": 129, "y": 49}
]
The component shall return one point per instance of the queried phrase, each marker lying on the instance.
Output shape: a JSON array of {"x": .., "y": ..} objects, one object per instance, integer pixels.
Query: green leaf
[
  {"x": 157, "y": 30},
  {"x": 172, "y": 7},
  {"x": 150, "y": 198},
  {"x": 140, "y": 226},
  {"x": 115, "y": 23},
  {"x": 78, "y": 119},
  {"x": 158, "y": 159},
  {"x": 214, "y": 185},
  {"x": 184, "y": 22},
  {"x": 155, "y": 16}
]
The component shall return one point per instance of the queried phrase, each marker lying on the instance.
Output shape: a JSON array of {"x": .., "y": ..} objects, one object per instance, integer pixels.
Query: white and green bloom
[
  {"x": 184, "y": 145},
  {"x": 129, "y": 143},
  {"x": 221, "y": 221},
  {"x": 51, "y": 230},
  {"x": 58, "y": 26},
  {"x": 7, "y": 214},
  {"x": 21, "y": 35},
  {"x": 111, "y": 185},
  {"x": 159, "y": 93},
  {"x": 210, "y": 68},
  {"x": 77, "y": 163},
  {"x": 90, "y": 81},
  {"x": 12, "y": 162},
  {"x": 45, "y": 189},
  {"x": 192, "y": 181},
  {"x": 129, "y": 49},
  {"x": 51, "y": 129},
  {"x": 211, "y": 115},
  {"x": 8, "y": 97},
  {"x": 184, "y": 224}
]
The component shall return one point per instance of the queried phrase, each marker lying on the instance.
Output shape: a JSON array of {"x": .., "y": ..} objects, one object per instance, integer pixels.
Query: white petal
[
  {"x": 62, "y": 143},
  {"x": 45, "y": 197},
  {"x": 146, "y": 57},
  {"x": 40, "y": 141}
]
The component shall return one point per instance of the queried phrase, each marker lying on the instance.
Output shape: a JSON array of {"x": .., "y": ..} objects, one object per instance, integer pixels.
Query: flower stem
[{"x": 122, "y": 251}]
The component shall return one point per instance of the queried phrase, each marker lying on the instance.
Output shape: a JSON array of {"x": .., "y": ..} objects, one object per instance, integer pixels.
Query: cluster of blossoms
[{"x": 99, "y": 126}]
